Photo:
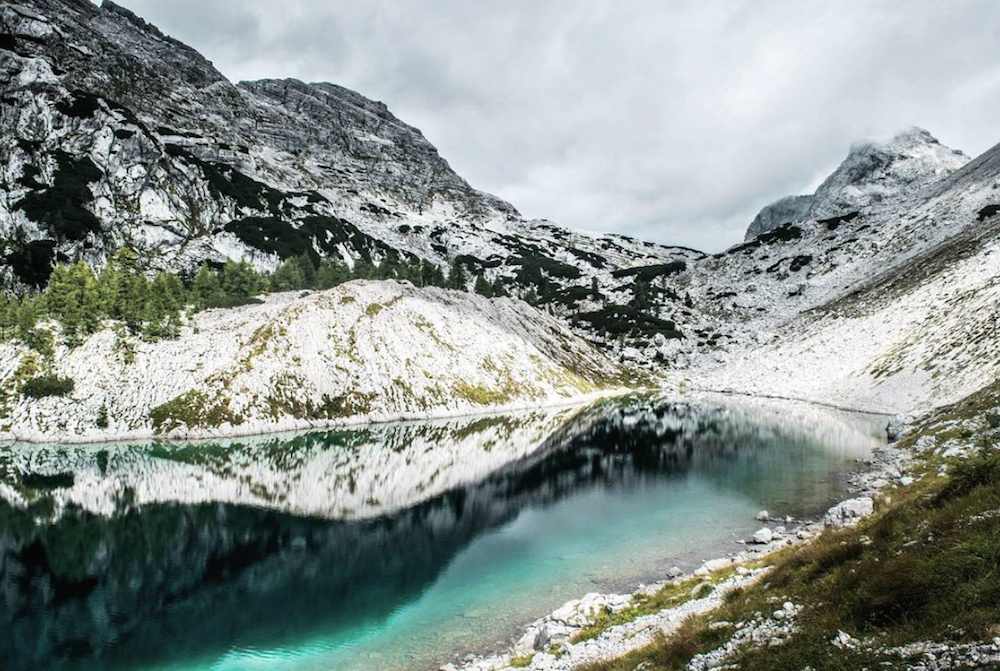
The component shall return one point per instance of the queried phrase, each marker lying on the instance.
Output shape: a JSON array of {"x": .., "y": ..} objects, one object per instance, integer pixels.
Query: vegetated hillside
[
  {"x": 363, "y": 351},
  {"x": 920, "y": 332}
]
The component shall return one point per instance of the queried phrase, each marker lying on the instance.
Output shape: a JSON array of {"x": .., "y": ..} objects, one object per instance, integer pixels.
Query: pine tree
[
  {"x": 389, "y": 268},
  {"x": 132, "y": 295},
  {"x": 331, "y": 273},
  {"x": 71, "y": 298},
  {"x": 432, "y": 275},
  {"x": 61, "y": 304},
  {"x": 482, "y": 287},
  {"x": 289, "y": 276},
  {"x": 363, "y": 270},
  {"x": 89, "y": 297},
  {"x": 240, "y": 281},
  {"x": 456, "y": 278},
  {"x": 206, "y": 289},
  {"x": 640, "y": 296},
  {"x": 121, "y": 289},
  {"x": 595, "y": 291},
  {"x": 499, "y": 291},
  {"x": 8, "y": 316},
  {"x": 308, "y": 269},
  {"x": 161, "y": 313}
]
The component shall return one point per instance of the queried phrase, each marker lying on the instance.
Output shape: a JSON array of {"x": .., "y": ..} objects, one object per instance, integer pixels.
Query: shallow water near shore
[{"x": 387, "y": 547}]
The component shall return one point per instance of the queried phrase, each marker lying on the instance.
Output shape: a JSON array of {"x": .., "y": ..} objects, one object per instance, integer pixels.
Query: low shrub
[{"x": 47, "y": 385}]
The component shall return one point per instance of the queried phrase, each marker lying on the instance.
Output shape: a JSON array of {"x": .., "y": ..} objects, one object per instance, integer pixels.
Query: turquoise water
[{"x": 614, "y": 496}]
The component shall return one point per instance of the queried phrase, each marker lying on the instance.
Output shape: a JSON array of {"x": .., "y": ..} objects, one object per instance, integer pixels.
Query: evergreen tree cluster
[{"x": 152, "y": 307}]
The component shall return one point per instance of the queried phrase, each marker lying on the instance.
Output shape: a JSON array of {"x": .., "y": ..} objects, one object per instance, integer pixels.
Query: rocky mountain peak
[{"x": 873, "y": 173}]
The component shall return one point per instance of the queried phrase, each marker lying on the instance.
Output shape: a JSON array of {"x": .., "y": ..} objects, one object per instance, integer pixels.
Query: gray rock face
[
  {"x": 328, "y": 137},
  {"x": 872, "y": 173},
  {"x": 782, "y": 211}
]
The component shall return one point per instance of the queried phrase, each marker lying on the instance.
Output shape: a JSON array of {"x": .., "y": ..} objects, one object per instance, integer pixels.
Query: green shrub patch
[
  {"x": 833, "y": 223},
  {"x": 649, "y": 273},
  {"x": 47, "y": 385}
]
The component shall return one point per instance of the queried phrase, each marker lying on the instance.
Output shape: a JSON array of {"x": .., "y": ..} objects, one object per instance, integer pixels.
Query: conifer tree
[
  {"x": 331, "y": 273},
  {"x": 289, "y": 276},
  {"x": 206, "y": 289},
  {"x": 71, "y": 298},
  {"x": 363, "y": 270},
  {"x": 499, "y": 291},
  {"x": 240, "y": 281},
  {"x": 8, "y": 316},
  {"x": 456, "y": 278},
  {"x": 640, "y": 296},
  {"x": 388, "y": 268},
  {"x": 132, "y": 295},
  {"x": 482, "y": 287},
  {"x": 161, "y": 313}
]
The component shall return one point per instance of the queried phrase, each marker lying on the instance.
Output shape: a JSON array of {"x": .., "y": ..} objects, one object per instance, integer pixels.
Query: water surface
[{"x": 386, "y": 547}]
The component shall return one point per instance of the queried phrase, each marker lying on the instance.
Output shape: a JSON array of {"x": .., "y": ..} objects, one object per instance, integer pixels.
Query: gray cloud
[{"x": 670, "y": 121}]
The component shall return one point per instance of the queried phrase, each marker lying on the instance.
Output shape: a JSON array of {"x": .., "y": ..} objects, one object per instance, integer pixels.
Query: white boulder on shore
[{"x": 849, "y": 513}]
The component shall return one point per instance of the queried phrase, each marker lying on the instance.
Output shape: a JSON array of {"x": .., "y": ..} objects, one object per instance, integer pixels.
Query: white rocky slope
[
  {"x": 362, "y": 351},
  {"x": 907, "y": 323}
]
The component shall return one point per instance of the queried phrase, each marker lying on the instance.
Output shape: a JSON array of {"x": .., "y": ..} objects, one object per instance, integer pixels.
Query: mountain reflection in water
[{"x": 126, "y": 556}]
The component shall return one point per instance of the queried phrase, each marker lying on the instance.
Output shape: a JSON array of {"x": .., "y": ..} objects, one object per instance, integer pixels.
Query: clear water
[{"x": 385, "y": 548}]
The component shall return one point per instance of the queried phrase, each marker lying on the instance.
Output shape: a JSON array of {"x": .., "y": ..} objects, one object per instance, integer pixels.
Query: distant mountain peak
[{"x": 872, "y": 173}]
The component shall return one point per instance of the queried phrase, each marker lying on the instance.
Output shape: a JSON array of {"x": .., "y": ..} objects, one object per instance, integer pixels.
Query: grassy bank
[{"x": 924, "y": 567}]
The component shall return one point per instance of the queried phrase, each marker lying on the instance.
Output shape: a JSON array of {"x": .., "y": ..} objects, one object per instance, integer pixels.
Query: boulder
[
  {"x": 763, "y": 536},
  {"x": 850, "y": 512}
]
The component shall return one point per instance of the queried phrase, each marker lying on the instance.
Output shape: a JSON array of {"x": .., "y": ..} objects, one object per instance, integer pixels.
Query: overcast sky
[{"x": 670, "y": 121}]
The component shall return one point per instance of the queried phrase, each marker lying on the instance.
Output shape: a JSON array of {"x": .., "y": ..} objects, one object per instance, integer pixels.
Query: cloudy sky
[{"x": 671, "y": 121}]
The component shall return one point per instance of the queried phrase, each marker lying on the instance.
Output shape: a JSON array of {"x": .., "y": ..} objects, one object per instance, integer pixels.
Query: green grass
[
  {"x": 926, "y": 566},
  {"x": 669, "y": 596},
  {"x": 522, "y": 661},
  {"x": 193, "y": 409}
]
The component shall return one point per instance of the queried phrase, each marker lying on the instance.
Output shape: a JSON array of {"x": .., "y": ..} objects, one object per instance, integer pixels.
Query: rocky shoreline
[{"x": 555, "y": 642}]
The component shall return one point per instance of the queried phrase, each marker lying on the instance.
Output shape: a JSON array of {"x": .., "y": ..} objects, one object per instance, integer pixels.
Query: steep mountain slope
[
  {"x": 743, "y": 296},
  {"x": 872, "y": 173},
  {"x": 154, "y": 147},
  {"x": 908, "y": 334},
  {"x": 362, "y": 351}
]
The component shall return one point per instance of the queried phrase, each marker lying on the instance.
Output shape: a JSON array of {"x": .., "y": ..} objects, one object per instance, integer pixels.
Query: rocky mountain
[
  {"x": 907, "y": 320},
  {"x": 114, "y": 133},
  {"x": 872, "y": 173}
]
